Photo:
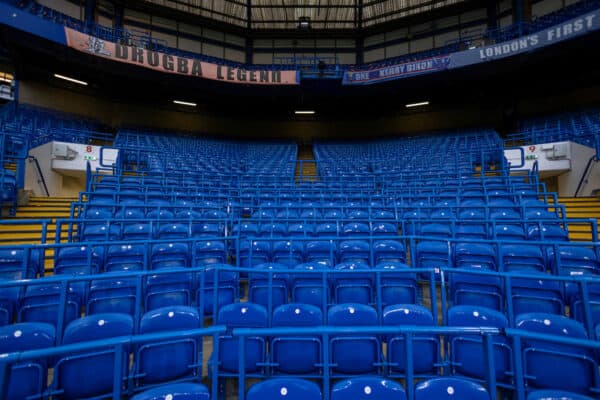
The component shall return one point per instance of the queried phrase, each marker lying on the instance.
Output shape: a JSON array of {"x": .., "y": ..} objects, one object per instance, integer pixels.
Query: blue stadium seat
[
  {"x": 354, "y": 354},
  {"x": 548, "y": 232},
  {"x": 507, "y": 231},
  {"x": 426, "y": 346},
  {"x": 578, "y": 370},
  {"x": 388, "y": 251},
  {"x": 311, "y": 213},
  {"x": 171, "y": 359},
  {"x": 468, "y": 351},
  {"x": 175, "y": 391},
  {"x": 173, "y": 231},
  {"x": 100, "y": 233},
  {"x": 367, "y": 388},
  {"x": 300, "y": 230},
  {"x": 137, "y": 231},
  {"x": 384, "y": 229},
  {"x": 94, "y": 368},
  {"x": 287, "y": 252},
  {"x": 78, "y": 260},
  {"x": 207, "y": 229},
  {"x": 241, "y": 315},
  {"x": 574, "y": 261},
  {"x": 436, "y": 229},
  {"x": 326, "y": 229},
  {"x": 296, "y": 354},
  {"x": 259, "y": 287},
  {"x": 470, "y": 231},
  {"x": 433, "y": 254},
  {"x": 273, "y": 230},
  {"x": 310, "y": 288},
  {"x": 172, "y": 289},
  {"x": 284, "y": 389},
  {"x": 253, "y": 253},
  {"x": 352, "y": 287},
  {"x": 448, "y": 388},
  {"x": 321, "y": 251},
  {"x": 537, "y": 295},
  {"x": 477, "y": 290},
  {"x": 41, "y": 303},
  {"x": 209, "y": 252},
  {"x": 188, "y": 214},
  {"x": 397, "y": 287},
  {"x": 354, "y": 251},
  {"x": 14, "y": 264},
  {"x": 246, "y": 229},
  {"x": 112, "y": 296},
  {"x": 27, "y": 378},
  {"x": 169, "y": 255},
  {"x": 475, "y": 255},
  {"x": 9, "y": 298},
  {"x": 227, "y": 288},
  {"x": 522, "y": 257},
  {"x": 127, "y": 257},
  {"x": 99, "y": 213}
]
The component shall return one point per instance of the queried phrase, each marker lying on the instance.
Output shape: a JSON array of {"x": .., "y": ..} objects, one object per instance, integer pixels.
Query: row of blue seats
[
  {"x": 361, "y": 388},
  {"x": 363, "y": 197},
  {"x": 303, "y": 353},
  {"x": 557, "y": 257},
  {"x": 431, "y": 177},
  {"x": 532, "y": 210},
  {"x": 99, "y": 225},
  {"x": 390, "y": 282},
  {"x": 581, "y": 127},
  {"x": 37, "y": 125}
]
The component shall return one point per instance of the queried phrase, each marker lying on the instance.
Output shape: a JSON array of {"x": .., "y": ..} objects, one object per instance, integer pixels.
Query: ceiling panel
[{"x": 284, "y": 14}]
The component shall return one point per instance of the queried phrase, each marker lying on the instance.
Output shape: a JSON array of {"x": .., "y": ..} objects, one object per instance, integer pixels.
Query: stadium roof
[{"x": 285, "y": 14}]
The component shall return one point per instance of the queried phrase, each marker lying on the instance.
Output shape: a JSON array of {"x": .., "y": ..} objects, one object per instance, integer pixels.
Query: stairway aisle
[
  {"x": 581, "y": 207},
  {"x": 307, "y": 170},
  {"x": 46, "y": 208}
]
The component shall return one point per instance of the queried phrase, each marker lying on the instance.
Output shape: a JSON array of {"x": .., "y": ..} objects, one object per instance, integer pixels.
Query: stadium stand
[{"x": 322, "y": 298}]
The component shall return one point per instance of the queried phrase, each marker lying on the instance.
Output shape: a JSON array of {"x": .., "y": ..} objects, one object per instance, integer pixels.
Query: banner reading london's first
[{"x": 176, "y": 65}]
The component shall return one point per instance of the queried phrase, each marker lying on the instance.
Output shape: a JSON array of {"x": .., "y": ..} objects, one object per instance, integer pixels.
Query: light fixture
[
  {"x": 419, "y": 104},
  {"x": 472, "y": 47},
  {"x": 66, "y": 78},
  {"x": 185, "y": 103},
  {"x": 3, "y": 79},
  {"x": 304, "y": 112},
  {"x": 304, "y": 23}
]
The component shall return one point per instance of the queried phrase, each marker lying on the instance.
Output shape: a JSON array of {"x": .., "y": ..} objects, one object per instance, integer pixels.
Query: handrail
[
  {"x": 119, "y": 345},
  {"x": 585, "y": 172},
  {"x": 40, "y": 173}
]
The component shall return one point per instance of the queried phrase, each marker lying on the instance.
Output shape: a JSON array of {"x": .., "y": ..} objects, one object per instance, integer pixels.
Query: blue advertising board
[
  {"x": 397, "y": 71},
  {"x": 567, "y": 30}
]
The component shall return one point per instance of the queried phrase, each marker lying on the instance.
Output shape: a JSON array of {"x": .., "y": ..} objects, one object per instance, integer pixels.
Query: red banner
[{"x": 176, "y": 65}]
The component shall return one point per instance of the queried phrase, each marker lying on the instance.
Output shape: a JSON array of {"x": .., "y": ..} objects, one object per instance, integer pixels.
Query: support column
[
  {"x": 90, "y": 13},
  {"x": 360, "y": 40},
  {"x": 249, "y": 39},
  {"x": 118, "y": 20}
]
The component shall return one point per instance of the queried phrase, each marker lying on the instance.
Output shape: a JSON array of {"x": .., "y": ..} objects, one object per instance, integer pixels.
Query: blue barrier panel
[{"x": 24, "y": 21}]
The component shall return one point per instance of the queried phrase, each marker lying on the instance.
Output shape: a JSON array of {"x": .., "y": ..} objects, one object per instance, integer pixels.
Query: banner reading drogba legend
[{"x": 176, "y": 65}]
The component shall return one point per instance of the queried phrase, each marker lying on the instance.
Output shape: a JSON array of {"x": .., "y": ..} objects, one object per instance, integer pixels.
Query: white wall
[
  {"x": 63, "y": 177},
  {"x": 567, "y": 183}
]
